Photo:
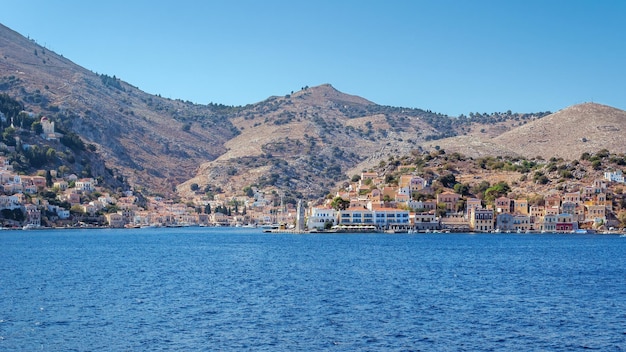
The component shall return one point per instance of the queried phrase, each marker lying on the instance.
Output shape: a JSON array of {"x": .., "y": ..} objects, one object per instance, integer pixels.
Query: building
[
  {"x": 450, "y": 199},
  {"x": 391, "y": 218},
  {"x": 424, "y": 221},
  {"x": 513, "y": 222},
  {"x": 481, "y": 220},
  {"x": 615, "y": 176},
  {"x": 414, "y": 183},
  {"x": 503, "y": 205},
  {"x": 48, "y": 133},
  {"x": 115, "y": 220},
  {"x": 9, "y": 202},
  {"x": 571, "y": 197},
  {"x": 548, "y": 223},
  {"x": 356, "y": 216},
  {"x": 85, "y": 184},
  {"x": 472, "y": 203},
  {"x": 520, "y": 206},
  {"x": 504, "y": 222},
  {"x": 33, "y": 215}
]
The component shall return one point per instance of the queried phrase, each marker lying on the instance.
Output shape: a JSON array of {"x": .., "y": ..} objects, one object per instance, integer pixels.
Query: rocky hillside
[
  {"x": 567, "y": 134},
  {"x": 155, "y": 143}
]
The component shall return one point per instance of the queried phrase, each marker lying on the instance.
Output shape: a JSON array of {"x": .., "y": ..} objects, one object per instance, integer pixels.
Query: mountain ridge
[{"x": 303, "y": 143}]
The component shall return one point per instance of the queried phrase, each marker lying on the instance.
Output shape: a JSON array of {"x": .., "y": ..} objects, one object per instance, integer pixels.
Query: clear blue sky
[{"x": 451, "y": 57}]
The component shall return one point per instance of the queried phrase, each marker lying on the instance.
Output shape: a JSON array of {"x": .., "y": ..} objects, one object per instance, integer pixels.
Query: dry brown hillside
[
  {"x": 153, "y": 142},
  {"x": 566, "y": 134},
  {"x": 570, "y": 132}
]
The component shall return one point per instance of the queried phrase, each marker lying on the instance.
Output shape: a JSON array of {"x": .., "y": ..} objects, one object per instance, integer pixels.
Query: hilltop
[{"x": 567, "y": 134}]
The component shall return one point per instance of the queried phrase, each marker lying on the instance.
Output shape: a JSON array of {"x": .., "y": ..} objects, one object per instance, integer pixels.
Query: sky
[{"x": 451, "y": 57}]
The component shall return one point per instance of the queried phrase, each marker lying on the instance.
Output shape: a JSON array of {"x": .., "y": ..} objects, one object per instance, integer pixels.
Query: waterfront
[{"x": 240, "y": 289}]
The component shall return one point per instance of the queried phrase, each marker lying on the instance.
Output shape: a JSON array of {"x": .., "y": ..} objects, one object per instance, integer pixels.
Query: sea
[{"x": 236, "y": 289}]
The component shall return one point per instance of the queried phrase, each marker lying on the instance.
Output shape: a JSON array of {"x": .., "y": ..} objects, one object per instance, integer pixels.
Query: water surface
[{"x": 195, "y": 289}]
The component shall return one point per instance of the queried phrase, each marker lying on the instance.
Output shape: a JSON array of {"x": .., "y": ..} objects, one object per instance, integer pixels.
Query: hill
[
  {"x": 567, "y": 134},
  {"x": 302, "y": 144},
  {"x": 155, "y": 143}
]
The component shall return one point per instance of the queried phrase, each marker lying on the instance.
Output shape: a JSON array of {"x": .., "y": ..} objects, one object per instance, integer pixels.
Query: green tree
[
  {"x": 36, "y": 127},
  {"x": 462, "y": 189},
  {"x": 8, "y": 136},
  {"x": 49, "y": 182},
  {"x": 441, "y": 209},
  {"x": 448, "y": 180},
  {"x": 248, "y": 191},
  {"x": 77, "y": 209},
  {"x": 498, "y": 190},
  {"x": 339, "y": 203},
  {"x": 63, "y": 170},
  {"x": 596, "y": 164}
]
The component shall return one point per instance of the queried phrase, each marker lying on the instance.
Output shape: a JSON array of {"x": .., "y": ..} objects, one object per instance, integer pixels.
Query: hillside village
[
  {"x": 395, "y": 209},
  {"x": 405, "y": 199}
]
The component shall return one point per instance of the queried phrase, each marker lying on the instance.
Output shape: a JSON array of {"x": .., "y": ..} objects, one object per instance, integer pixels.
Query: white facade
[
  {"x": 320, "y": 216},
  {"x": 9, "y": 202},
  {"x": 86, "y": 184},
  {"x": 616, "y": 176}
]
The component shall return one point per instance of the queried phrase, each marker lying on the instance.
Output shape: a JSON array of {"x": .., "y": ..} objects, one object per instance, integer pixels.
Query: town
[{"x": 392, "y": 209}]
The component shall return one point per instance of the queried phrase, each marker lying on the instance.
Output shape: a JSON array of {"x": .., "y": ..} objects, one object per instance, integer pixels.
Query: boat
[{"x": 30, "y": 227}]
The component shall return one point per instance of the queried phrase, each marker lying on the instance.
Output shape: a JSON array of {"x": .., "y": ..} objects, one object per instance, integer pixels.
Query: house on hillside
[
  {"x": 503, "y": 205},
  {"x": 414, "y": 183},
  {"x": 553, "y": 200},
  {"x": 403, "y": 195},
  {"x": 9, "y": 202},
  {"x": 85, "y": 185},
  {"x": 450, "y": 199},
  {"x": 48, "y": 133},
  {"x": 537, "y": 211},
  {"x": 572, "y": 197},
  {"x": 615, "y": 176}
]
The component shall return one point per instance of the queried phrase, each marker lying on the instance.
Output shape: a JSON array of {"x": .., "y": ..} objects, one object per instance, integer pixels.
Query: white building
[
  {"x": 9, "y": 202},
  {"x": 318, "y": 218},
  {"x": 616, "y": 176}
]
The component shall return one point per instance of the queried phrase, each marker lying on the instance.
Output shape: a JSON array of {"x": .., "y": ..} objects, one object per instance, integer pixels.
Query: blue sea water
[{"x": 214, "y": 289}]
